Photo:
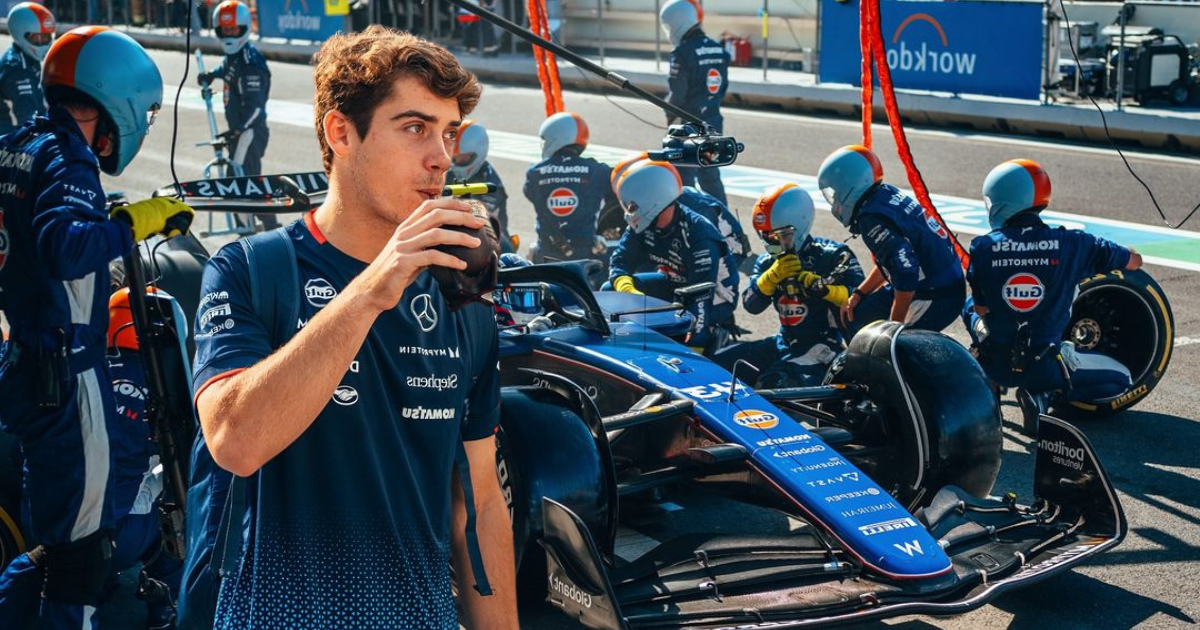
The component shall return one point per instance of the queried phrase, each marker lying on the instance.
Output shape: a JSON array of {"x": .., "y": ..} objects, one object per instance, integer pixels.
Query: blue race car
[{"x": 889, "y": 465}]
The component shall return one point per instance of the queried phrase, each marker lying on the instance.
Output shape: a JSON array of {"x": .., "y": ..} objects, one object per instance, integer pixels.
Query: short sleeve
[
  {"x": 230, "y": 336},
  {"x": 483, "y": 402},
  {"x": 1103, "y": 254}
]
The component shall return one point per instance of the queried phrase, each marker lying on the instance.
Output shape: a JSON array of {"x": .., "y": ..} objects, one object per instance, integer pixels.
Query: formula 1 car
[{"x": 888, "y": 466}]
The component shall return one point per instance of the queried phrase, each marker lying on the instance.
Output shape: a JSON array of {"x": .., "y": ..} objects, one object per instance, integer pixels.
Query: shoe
[{"x": 1032, "y": 407}]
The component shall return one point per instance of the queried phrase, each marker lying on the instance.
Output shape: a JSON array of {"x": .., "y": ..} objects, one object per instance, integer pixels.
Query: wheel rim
[{"x": 1117, "y": 322}]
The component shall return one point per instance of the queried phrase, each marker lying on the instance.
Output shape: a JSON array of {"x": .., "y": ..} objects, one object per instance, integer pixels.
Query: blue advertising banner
[
  {"x": 297, "y": 19},
  {"x": 989, "y": 47}
]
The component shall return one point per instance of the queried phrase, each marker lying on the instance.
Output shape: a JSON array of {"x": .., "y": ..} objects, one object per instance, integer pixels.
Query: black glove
[
  {"x": 204, "y": 78},
  {"x": 230, "y": 137}
]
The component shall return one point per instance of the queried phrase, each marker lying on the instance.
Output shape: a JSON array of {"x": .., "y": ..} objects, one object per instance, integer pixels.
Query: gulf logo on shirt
[
  {"x": 562, "y": 201},
  {"x": 791, "y": 311},
  {"x": 755, "y": 419},
  {"x": 1023, "y": 292},
  {"x": 713, "y": 80}
]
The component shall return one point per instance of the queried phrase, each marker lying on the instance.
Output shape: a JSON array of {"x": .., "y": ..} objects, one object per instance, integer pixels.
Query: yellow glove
[
  {"x": 783, "y": 268},
  {"x": 624, "y": 284},
  {"x": 807, "y": 278},
  {"x": 836, "y": 295},
  {"x": 161, "y": 215}
]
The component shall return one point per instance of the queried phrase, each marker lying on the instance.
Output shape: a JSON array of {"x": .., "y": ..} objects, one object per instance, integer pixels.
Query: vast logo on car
[
  {"x": 562, "y": 202},
  {"x": 754, "y": 419},
  {"x": 1023, "y": 292}
]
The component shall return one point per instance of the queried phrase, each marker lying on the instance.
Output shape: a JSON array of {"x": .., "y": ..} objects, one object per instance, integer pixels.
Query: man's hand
[
  {"x": 411, "y": 250},
  {"x": 625, "y": 284},
  {"x": 204, "y": 78},
  {"x": 783, "y": 268},
  {"x": 230, "y": 136},
  {"x": 161, "y": 215},
  {"x": 848, "y": 308}
]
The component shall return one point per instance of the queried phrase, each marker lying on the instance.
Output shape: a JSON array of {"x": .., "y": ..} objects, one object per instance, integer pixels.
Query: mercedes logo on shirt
[{"x": 422, "y": 308}]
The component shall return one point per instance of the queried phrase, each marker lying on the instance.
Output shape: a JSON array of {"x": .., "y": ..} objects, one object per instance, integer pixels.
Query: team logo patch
[
  {"x": 754, "y": 419},
  {"x": 713, "y": 81},
  {"x": 1023, "y": 292},
  {"x": 3, "y": 240},
  {"x": 791, "y": 311},
  {"x": 424, "y": 312},
  {"x": 319, "y": 292},
  {"x": 760, "y": 220},
  {"x": 345, "y": 395},
  {"x": 562, "y": 202},
  {"x": 937, "y": 228}
]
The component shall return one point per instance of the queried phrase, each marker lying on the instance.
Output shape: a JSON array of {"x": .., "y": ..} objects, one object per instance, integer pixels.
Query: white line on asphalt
[{"x": 1186, "y": 341}]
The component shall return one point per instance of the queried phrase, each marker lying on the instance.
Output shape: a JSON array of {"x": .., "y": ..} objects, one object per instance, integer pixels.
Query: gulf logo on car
[
  {"x": 713, "y": 80},
  {"x": 754, "y": 419},
  {"x": 791, "y": 311},
  {"x": 1023, "y": 292},
  {"x": 562, "y": 201}
]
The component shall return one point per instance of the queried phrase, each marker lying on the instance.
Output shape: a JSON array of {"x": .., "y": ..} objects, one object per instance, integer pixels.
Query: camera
[{"x": 690, "y": 146}]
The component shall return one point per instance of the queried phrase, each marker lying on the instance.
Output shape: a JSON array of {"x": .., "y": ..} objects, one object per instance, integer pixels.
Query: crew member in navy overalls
[
  {"x": 917, "y": 278},
  {"x": 807, "y": 279},
  {"x": 1023, "y": 276},
  {"x": 469, "y": 165},
  {"x": 698, "y": 81},
  {"x": 32, "y": 29}
]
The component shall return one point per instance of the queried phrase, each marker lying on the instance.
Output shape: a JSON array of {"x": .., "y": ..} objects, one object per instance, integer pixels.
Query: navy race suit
[
  {"x": 1026, "y": 275},
  {"x": 567, "y": 192},
  {"x": 915, "y": 254},
  {"x": 20, "y": 85},
  {"x": 719, "y": 215},
  {"x": 56, "y": 241},
  {"x": 247, "y": 89},
  {"x": 698, "y": 81},
  {"x": 350, "y": 525},
  {"x": 688, "y": 251},
  {"x": 496, "y": 202}
]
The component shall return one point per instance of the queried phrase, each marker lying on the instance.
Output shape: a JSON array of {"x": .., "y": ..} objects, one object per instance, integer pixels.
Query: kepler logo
[
  {"x": 1023, "y": 292},
  {"x": 440, "y": 383},
  {"x": 921, "y": 58}
]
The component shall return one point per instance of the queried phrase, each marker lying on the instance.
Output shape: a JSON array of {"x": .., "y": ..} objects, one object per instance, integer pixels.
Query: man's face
[
  {"x": 403, "y": 159},
  {"x": 665, "y": 217}
]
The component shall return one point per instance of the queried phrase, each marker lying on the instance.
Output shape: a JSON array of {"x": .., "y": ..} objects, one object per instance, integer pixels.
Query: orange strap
[
  {"x": 547, "y": 64},
  {"x": 868, "y": 82},
  {"x": 873, "y": 46}
]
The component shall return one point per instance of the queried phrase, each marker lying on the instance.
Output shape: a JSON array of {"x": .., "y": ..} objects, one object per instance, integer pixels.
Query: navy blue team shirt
[
  {"x": 349, "y": 526},
  {"x": 912, "y": 249}
]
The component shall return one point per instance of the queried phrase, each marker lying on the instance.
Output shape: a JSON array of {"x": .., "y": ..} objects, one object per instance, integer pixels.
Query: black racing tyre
[
  {"x": 1124, "y": 315},
  {"x": 544, "y": 448},
  {"x": 933, "y": 420}
]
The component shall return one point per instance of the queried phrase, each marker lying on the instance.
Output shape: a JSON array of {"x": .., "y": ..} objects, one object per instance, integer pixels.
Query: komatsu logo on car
[
  {"x": 791, "y": 439},
  {"x": 570, "y": 591},
  {"x": 797, "y": 452},
  {"x": 1063, "y": 455},
  {"x": 887, "y": 526},
  {"x": 754, "y": 419},
  {"x": 429, "y": 413}
]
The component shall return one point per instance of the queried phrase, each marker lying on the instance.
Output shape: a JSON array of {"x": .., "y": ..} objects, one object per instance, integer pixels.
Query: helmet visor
[
  {"x": 39, "y": 39},
  {"x": 231, "y": 30},
  {"x": 829, "y": 194},
  {"x": 463, "y": 159},
  {"x": 780, "y": 241}
]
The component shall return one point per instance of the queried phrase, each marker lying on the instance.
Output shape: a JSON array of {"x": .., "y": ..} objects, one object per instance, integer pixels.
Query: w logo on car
[
  {"x": 1023, "y": 292},
  {"x": 754, "y": 419},
  {"x": 562, "y": 202}
]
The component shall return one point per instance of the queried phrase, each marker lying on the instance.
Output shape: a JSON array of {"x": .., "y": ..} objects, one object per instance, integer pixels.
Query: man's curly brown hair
[{"x": 356, "y": 72}]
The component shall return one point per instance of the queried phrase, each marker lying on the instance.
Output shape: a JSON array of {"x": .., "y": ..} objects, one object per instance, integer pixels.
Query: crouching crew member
[{"x": 471, "y": 166}]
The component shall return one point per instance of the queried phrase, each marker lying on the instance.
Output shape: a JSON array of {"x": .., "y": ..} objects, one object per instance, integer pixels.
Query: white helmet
[
  {"x": 562, "y": 130},
  {"x": 1014, "y": 187},
  {"x": 845, "y": 176},
  {"x": 470, "y": 150},
  {"x": 783, "y": 218},
  {"x": 32, "y": 29},
  {"x": 645, "y": 190},
  {"x": 231, "y": 20},
  {"x": 678, "y": 17}
]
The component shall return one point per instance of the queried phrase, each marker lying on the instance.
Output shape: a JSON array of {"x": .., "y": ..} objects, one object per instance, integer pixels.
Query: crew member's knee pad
[{"x": 77, "y": 572}]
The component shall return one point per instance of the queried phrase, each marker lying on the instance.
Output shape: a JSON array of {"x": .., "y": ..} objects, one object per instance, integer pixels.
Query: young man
[
  {"x": 57, "y": 239},
  {"x": 567, "y": 192},
  {"x": 1023, "y": 277},
  {"x": 247, "y": 90},
  {"x": 470, "y": 166},
  {"x": 32, "y": 29},
  {"x": 699, "y": 79},
  {"x": 668, "y": 246},
  {"x": 917, "y": 278},
  {"x": 807, "y": 279},
  {"x": 348, "y": 432}
]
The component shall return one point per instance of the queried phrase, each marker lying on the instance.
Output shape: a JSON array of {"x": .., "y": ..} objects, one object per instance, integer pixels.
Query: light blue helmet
[
  {"x": 470, "y": 150},
  {"x": 678, "y": 17},
  {"x": 845, "y": 177},
  {"x": 231, "y": 21},
  {"x": 1014, "y": 187},
  {"x": 645, "y": 190},
  {"x": 117, "y": 75},
  {"x": 32, "y": 28}
]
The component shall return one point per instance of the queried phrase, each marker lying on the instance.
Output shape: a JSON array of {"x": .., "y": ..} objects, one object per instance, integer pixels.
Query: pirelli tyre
[{"x": 1124, "y": 315}]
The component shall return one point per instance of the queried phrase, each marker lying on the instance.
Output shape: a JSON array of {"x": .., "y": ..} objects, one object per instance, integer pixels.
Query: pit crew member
[
  {"x": 1023, "y": 276},
  {"x": 381, "y": 385},
  {"x": 567, "y": 192},
  {"x": 56, "y": 241},
  {"x": 470, "y": 166},
  {"x": 698, "y": 81},
  {"x": 807, "y": 279},
  {"x": 669, "y": 246},
  {"x": 917, "y": 278},
  {"x": 32, "y": 29}
]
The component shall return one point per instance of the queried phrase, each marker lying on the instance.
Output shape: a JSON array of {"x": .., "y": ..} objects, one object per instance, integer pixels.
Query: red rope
[
  {"x": 866, "y": 42},
  {"x": 547, "y": 64}
]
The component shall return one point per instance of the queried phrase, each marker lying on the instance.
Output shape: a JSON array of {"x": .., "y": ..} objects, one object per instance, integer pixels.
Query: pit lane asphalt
[{"x": 1150, "y": 452}]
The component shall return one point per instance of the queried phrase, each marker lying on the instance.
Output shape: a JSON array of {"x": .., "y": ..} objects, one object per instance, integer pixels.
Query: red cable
[
  {"x": 866, "y": 41},
  {"x": 536, "y": 19}
]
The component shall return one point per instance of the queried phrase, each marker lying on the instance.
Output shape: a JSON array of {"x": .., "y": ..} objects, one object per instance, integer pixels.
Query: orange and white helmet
[
  {"x": 645, "y": 190},
  {"x": 562, "y": 130},
  {"x": 470, "y": 150},
  {"x": 622, "y": 166},
  {"x": 32, "y": 28},
  {"x": 783, "y": 218},
  {"x": 1014, "y": 187},
  {"x": 231, "y": 20},
  {"x": 845, "y": 177}
]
